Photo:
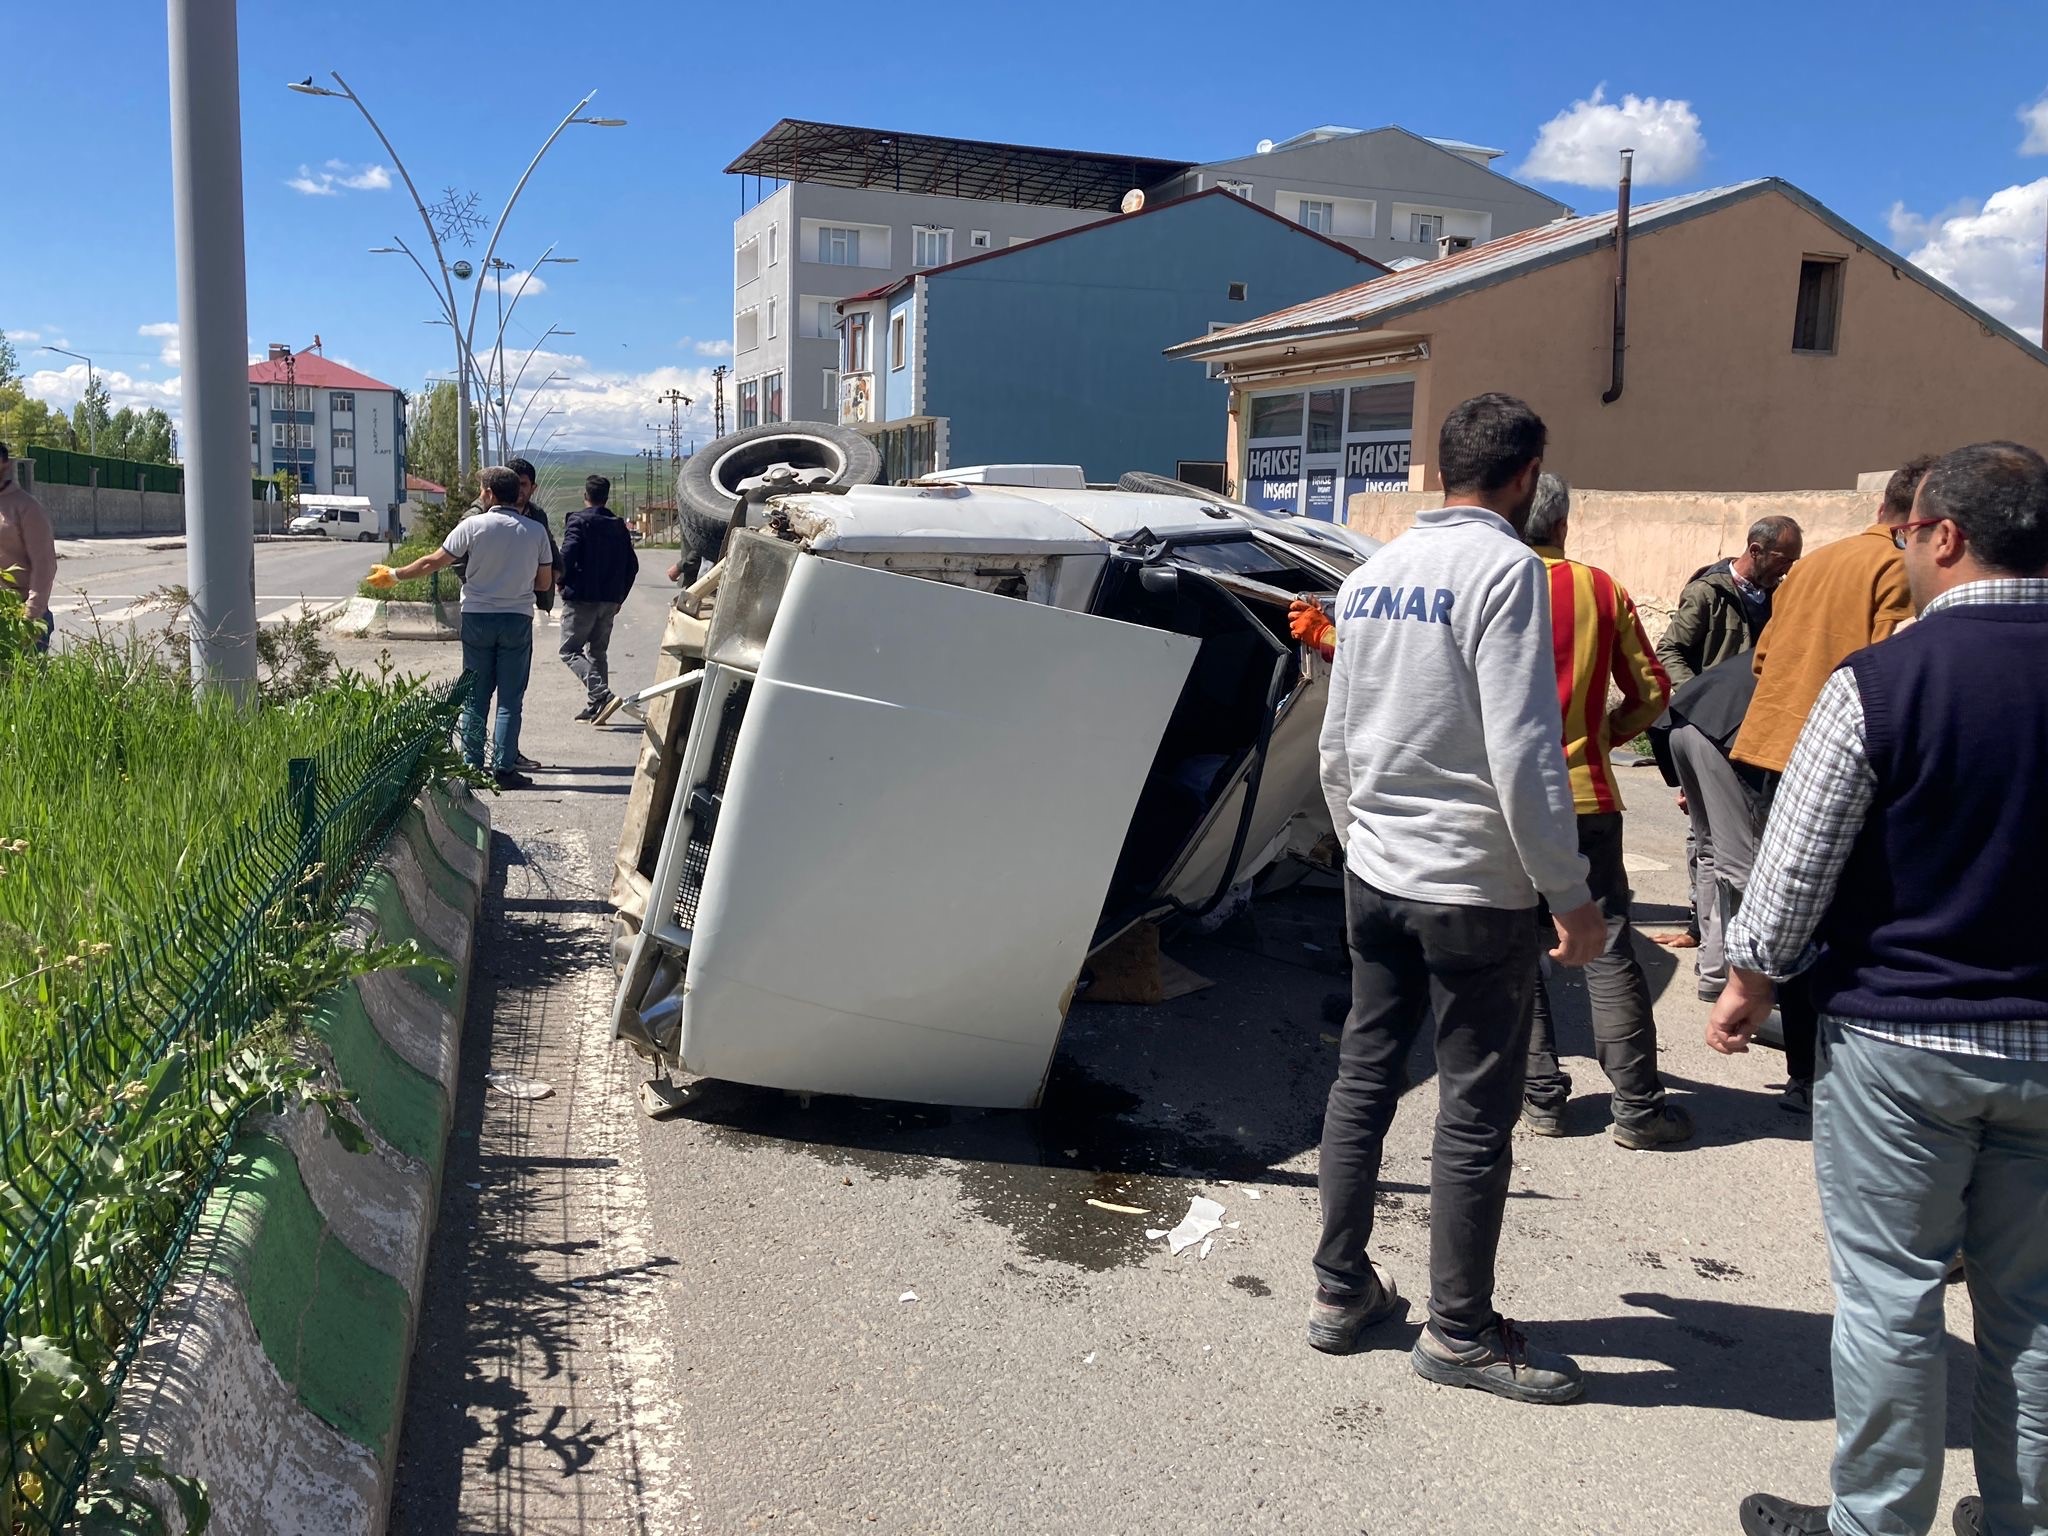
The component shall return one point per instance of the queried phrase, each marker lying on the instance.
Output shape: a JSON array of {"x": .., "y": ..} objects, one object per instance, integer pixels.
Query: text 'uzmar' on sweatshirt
[{"x": 1442, "y": 751}]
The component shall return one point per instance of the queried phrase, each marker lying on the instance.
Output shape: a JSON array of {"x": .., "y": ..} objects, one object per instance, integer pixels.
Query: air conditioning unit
[{"x": 1450, "y": 245}]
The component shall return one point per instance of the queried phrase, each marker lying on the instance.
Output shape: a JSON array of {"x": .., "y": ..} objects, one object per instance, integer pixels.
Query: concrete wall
[
  {"x": 1053, "y": 353},
  {"x": 1653, "y": 541},
  {"x": 83, "y": 511},
  {"x": 1715, "y": 397}
]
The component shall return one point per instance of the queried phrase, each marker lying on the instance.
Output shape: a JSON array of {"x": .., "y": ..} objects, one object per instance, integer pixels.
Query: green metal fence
[
  {"x": 67, "y": 466},
  {"x": 110, "y": 1144}
]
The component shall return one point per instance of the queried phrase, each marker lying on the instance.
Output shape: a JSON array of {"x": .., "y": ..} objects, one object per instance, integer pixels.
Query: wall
[
  {"x": 1052, "y": 353},
  {"x": 1388, "y": 165},
  {"x": 1653, "y": 541},
  {"x": 1715, "y": 397},
  {"x": 79, "y": 511}
]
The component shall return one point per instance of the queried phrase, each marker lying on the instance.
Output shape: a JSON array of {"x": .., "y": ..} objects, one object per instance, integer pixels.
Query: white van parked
[{"x": 339, "y": 517}]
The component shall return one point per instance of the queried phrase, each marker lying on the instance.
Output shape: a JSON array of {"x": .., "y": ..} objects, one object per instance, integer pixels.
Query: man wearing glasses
[{"x": 1905, "y": 869}]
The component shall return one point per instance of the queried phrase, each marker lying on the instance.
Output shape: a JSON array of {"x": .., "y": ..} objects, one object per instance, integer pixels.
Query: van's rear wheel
[{"x": 708, "y": 488}]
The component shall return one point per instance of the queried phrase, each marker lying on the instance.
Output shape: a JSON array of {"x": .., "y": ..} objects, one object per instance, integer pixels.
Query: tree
[
  {"x": 26, "y": 422},
  {"x": 92, "y": 417},
  {"x": 10, "y": 365},
  {"x": 431, "y": 438},
  {"x": 141, "y": 435}
]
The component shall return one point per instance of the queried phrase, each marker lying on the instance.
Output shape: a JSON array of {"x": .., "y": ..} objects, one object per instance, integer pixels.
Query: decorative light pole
[
  {"x": 444, "y": 290},
  {"x": 92, "y": 422}
]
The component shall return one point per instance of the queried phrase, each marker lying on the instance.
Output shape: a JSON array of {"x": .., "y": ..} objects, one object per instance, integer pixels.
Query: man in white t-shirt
[{"x": 508, "y": 560}]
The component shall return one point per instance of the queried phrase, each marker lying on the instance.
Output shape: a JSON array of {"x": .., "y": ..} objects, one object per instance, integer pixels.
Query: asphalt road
[
  {"x": 107, "y": 582},
  {"x": 700, "y": 1324}
]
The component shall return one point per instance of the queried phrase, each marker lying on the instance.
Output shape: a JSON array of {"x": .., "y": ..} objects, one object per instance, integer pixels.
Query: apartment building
[
  {"x": 341, "y": 431},
  {"x": 833, "y": 211}
]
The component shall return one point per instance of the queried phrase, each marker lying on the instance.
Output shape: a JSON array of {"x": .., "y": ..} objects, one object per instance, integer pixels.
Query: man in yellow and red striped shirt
[{"x": 1598, "y": 645}]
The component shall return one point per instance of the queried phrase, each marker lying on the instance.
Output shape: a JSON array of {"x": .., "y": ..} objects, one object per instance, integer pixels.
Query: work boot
[
  {"x": 1667, "y": 1128},
  {"x": 1499, "y": 1361},
  {"x": 1335, "y": 1321},
  {"x": 1765, "y": 1514},
  {"x": 1538, "y": 1121},
  {"x": 1968, "y": 1519}
]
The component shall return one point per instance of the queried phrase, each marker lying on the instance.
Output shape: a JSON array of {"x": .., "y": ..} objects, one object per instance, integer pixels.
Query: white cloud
[
  {"x": 533, "y": 283},
  {"x": 1581, "y": 146},
  {"x": 25, "y": 338},
  {"x": 165, "y": 331},
  {"x": 337, "y": 175},
  {"x": 713, "y": 348},
  {"x": 1989, "y": 253},
  {"x": 66, "y": 387},
  {"x": 2035, "y": 116},
  {"x": 599, "y": 409}
]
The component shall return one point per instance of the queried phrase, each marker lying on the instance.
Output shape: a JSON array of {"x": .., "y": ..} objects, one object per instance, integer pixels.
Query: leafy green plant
[{"x": 419, "y": 589}]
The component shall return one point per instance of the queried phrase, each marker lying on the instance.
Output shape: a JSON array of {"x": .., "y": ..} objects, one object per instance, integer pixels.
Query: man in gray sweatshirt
[{"x": 1446, "y": 780}]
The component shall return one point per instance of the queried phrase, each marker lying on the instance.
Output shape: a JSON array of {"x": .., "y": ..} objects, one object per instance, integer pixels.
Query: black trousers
[
  {"x": 1624, "y": 1028},
  {"x": 1473, "y": 969}
]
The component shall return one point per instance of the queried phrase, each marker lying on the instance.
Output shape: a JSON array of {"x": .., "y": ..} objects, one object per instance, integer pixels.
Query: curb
[
  {"x": 274, "y": 1369},
  {"x": 373, "y": 618}
]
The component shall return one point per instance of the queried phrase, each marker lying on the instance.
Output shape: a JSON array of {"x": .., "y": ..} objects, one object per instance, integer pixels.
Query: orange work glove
[
  {"x": 382, "y": 577},
  {"x": 1311, "y": 626}
]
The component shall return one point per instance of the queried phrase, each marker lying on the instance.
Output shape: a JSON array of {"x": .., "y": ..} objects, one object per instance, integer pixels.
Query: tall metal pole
[{"x": 213, "y": 329}]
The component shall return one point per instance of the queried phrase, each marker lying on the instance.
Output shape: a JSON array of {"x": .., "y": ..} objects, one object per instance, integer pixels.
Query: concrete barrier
[
  {"x": 372, "y": 618},
  {"x": 274, "y": 1369}
]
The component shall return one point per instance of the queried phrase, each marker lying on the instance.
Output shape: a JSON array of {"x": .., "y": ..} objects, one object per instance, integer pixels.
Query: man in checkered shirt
[{"x": 1906, "y": 865}]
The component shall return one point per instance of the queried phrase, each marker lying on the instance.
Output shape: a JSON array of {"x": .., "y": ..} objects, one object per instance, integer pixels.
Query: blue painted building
[{"x": 1052, "y": 350}]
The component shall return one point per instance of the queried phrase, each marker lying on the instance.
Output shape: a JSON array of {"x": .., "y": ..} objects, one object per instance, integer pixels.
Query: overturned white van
[{"x": 945, "y": 741}]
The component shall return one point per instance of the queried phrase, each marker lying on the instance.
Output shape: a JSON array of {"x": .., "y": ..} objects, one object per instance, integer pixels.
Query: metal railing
[{"x": 112, "y": 1139}]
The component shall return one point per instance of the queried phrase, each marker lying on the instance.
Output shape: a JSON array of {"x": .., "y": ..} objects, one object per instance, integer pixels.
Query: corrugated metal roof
[
  {"x": 1432, "y": 281},
  {"x": 1371, "y": 304}
]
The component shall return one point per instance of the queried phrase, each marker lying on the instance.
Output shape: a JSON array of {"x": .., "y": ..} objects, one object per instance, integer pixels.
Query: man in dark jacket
[
  {"x": 1724, "y": 608},
  {"x": 529, "y": 508},
  {"x": 598, "y": 564}
]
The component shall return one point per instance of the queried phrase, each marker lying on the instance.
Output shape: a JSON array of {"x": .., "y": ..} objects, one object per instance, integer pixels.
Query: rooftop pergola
[{"x": 839, "y": 156}]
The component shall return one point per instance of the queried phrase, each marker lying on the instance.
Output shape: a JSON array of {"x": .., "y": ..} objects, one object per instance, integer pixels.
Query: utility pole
[
  {"x": 718, "y": 407},
  {"x": 677, "y": 403},
  {"x": 213, "y": 326}
]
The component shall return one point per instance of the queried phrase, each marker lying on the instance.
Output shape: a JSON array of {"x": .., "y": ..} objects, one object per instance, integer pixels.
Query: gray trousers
[
  {"x": 1624, "y": 1028},
  {"x": 1920, "y": 1154},
  {"x": 1473, "y": 969},
  {"x": 586, "y": 644},
  {"x": 1725, "y": 826}
]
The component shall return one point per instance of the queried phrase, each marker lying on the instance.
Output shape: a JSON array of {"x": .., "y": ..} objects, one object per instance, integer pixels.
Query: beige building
[{"x": 1770, "y": 345}]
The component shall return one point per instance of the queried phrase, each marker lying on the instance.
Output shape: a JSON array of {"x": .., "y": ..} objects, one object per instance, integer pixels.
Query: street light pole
[
  {"x": 92, "y": 424},
  {"x": 213, "y": 326}
]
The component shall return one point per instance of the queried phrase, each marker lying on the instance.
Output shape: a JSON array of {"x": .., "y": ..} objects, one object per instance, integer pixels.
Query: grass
[
  {"x": 116, "y": 781},
  {"x": 420, "y": 589}
]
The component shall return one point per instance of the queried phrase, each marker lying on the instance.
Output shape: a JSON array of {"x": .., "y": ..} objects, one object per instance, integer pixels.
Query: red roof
[
  {"x": 310, "y": 368},
  {"x": 415, "y": 483}
]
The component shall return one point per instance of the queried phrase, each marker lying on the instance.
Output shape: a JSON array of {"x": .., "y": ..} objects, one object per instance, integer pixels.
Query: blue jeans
[
  {"x": 1920, "y": 1154},
  {"x": 497, "y": 652}
]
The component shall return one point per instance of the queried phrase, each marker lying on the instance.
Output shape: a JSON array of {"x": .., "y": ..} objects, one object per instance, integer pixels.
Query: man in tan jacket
[{"x": 28, "y": 553}]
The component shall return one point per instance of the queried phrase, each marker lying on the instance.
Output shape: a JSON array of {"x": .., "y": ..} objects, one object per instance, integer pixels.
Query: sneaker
[
  {"x": 1797, "y": 1099},
  {"x": 512, "y": 778},
  {"x": 589, "y": 711},
  {"x": 1667, "y": 1128},
  {"x": 1765, "y": 1514},
  {"x": 1542, "y": 1122},
  {"x": 1968, "y": 1519},
  {"x": 1335, "y": 1322},
  {"x": 1499, "y": 1361}
]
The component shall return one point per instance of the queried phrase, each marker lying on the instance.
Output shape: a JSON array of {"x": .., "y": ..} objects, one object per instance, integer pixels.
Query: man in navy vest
[{"x": 1906, "y": 862}]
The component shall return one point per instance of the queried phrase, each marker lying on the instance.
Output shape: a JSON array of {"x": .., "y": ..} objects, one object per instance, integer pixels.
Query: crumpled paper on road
[{"x": 1204, "y": 1216}]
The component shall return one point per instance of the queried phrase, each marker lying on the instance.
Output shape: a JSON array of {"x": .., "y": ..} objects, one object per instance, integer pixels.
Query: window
[
  {"x": 1325, "y": 420},
  {"x": 897, "y": 349},
  {"x": 255, "y": 398},
  {"x": 1277, "y": 416},
  {"x": 979, "y": 240},
  {"x": 1209, "y": 474},
  {"x": 344, "y": 440},
  {"x": 831, "y": 393},
  {"x": 281, "y": 434},
  {"x": 771, "y": 397},
  {"x": 1217, "y": 370},
  {"x": 746, "y": 263},
  {"x": 857, "y": 342},
  {"x": 1241, "y": 189},
  {"x": 930, "y": 247},
  {"x": 1819, "y": 313},
  {"x": 1425, "y": 228},
  {"x": 344, "y": 477},
  {"x": 341, "y": 403},
  {"x": 818, "y": 317},
  {"x": 774, "y": 243},
  {"x": 771, "y": 320},
  {"x": 838, "y": 247},
  {"x": 1318, "y": 215},
  {"x": 284, "y": 398},
  {"x": 1238, "y": 293},
  {"x": 255, "y": 445},
  {"x": 1383, "y": 407},
  {"x": 750, "y": 403},
  {"x": 746, "y": 330}
]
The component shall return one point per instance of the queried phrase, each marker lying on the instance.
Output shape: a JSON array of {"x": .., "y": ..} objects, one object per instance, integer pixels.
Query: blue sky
[{"x": 1907, "y": 120}]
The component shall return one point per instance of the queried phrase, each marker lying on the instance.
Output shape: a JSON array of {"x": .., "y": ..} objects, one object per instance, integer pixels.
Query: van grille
[{"x": 697, "y": 852}]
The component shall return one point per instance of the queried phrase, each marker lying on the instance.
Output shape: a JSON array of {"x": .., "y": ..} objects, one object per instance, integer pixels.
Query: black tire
[
  {"x": 1162, "y": 485},
  {"x": 707, "y": 489}
]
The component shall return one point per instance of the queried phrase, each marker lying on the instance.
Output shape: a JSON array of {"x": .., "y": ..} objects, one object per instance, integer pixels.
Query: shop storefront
[{"x": 1308, "y": 451}]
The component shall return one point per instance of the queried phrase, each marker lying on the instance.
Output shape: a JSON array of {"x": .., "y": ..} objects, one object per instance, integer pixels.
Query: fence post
[{"x": 304, "y": 782}]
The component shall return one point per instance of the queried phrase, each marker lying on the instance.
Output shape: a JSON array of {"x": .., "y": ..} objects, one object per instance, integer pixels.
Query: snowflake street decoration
[{"x": 455, "y": 219}]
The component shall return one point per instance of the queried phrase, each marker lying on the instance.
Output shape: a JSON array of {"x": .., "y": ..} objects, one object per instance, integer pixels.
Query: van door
[{"x": 926, "y": 799}]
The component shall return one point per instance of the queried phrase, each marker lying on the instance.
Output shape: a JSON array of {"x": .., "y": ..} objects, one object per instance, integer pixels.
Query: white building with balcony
[{"x": 342, "y": 431}]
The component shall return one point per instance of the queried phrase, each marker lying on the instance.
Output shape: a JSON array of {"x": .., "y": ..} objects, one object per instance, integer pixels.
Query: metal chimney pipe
[{"x": 1620, "y": 276}]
